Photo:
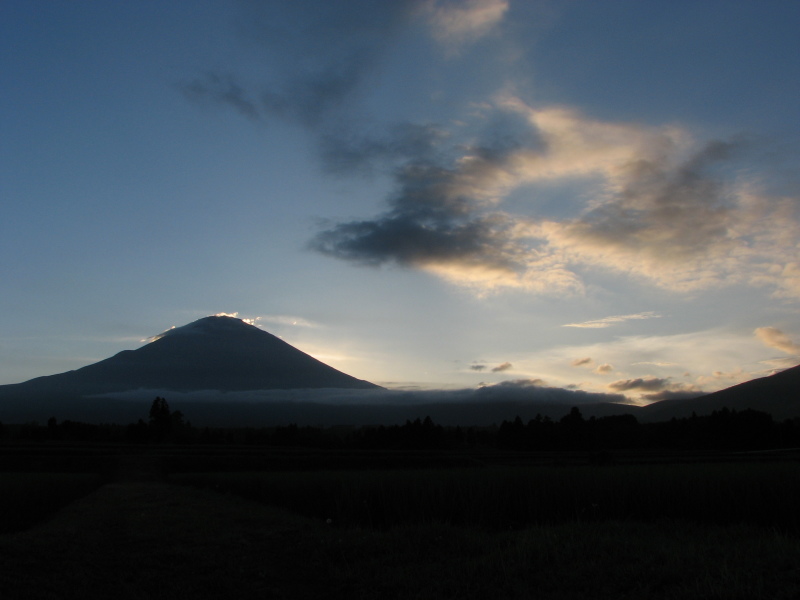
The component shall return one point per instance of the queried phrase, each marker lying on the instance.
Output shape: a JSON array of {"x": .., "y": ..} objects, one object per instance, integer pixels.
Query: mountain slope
[
  {"x": 214, "y": 353},
  {"x": 777, "y": 394}
]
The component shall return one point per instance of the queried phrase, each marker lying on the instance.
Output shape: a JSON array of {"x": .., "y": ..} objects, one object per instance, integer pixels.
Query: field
[{"x": 182, "y": 522}]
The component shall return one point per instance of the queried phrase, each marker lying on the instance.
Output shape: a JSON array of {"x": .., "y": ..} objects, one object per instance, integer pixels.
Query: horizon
[
  {"x": 525, "y": 394},
  {"x": 422, "y": 194}
]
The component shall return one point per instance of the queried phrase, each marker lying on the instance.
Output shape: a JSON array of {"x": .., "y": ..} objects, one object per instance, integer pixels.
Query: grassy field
[
  {"x": 503, "y": 497},
  {"x": 28, "y": 498},
  {"x": 700, "y": 530}
]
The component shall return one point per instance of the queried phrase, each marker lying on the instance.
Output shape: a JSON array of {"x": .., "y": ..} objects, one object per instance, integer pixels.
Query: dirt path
[{"x": 148, "y": 539}]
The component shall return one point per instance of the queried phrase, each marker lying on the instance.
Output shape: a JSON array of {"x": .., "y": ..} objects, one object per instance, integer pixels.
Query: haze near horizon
[{"x": 423, "y": 194}]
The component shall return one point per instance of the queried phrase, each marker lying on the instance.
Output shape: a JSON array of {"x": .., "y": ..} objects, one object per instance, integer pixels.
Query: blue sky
[{"x": 592, "y": 195}]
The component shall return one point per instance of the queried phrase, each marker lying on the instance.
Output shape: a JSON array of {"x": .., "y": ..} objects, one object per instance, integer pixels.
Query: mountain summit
[{"x": 214, "y": 353}]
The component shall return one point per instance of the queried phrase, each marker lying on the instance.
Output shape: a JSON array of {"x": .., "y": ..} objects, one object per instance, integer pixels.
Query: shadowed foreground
[
  {"x": 153, "y": 540},
  {"x": 149, "y": 539}
]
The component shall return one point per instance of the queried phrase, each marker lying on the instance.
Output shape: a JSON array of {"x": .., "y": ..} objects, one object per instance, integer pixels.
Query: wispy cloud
[
  {"x": 217, "y": 88},
  {"x": 502, "y": 367},
  {"x": 609, "y": 321},
  {"x": 588, "y": 363},
  {"x": 656, "y": 363},
  {"x": 775, "y": 338},
  {"x": 317, "y": 57},
  {"x": 456, "y": 23},
  {"x": 582, "y": 362}
]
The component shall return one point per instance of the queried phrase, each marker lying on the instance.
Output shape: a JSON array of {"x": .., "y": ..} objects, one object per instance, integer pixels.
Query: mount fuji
[{"x": 214, "y": 353}]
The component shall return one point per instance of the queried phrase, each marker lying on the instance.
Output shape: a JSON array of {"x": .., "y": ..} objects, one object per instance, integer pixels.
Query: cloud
[
  {"x": 639, "y": 384},
  {"x": 432, "y": 224},
  {"x": 659, "y": 207},
  {"x": 316, "y": 56},
  {"x": 722, "y": 378},
  {"x": 686, "y": 394},
  {"x": 344, "y": 150},
  {"x": 653, "y": 389},
  {"x": 581, "y": 362},
  {"x": 775, "y": 338},
  {"x": 498, "y": 369},
  {"x": 515, "y": 384},
  {"x": 455, "y": 23},
  {"x": 604, "y": 368},
  {"x": 440, "y": 220},
  {"x": 649, "y": 203},
  {"x": 217, "y": 88},
  {"x": 609, "y": 321}
]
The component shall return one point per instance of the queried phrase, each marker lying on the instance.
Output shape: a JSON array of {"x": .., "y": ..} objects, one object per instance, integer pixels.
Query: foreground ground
[{"x": 152, "y": 539}]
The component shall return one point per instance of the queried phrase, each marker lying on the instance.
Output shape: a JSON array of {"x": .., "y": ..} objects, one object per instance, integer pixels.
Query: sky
[{"x": 427, "y": 194}]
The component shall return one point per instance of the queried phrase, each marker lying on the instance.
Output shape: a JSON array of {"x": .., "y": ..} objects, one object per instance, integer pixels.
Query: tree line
[{"x": 724, "y": 429}]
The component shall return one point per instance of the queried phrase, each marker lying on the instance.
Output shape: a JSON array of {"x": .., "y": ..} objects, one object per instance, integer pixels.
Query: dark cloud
[
  {"x": 478, "y": 367},
  {"x": 435, "y": 220},
  {"x": 344, "y": 150},
  {"x": 533, "y": 390},
  {"x": 308, "y": 100},
  {"x": 408, "y": 241},
  {"x": 502, "y": 367},
  {"x": 644, "y": 384},
  {"x": 667, "y": 209},
  {"x": 304, "y": 100},
  {"x": 514, "y": 384}
]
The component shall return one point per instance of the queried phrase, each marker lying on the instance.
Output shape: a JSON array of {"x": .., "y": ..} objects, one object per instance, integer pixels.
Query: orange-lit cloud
[{"x": 775, "y": 338}]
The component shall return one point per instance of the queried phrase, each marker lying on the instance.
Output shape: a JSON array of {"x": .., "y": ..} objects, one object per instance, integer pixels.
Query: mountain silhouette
[
  {"x": 778, "y": 395},
  {"x": 214, "y": 353}
]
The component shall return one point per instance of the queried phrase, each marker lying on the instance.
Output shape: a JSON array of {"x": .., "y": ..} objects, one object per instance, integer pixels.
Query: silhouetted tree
[{"x": 161, "y": 419}]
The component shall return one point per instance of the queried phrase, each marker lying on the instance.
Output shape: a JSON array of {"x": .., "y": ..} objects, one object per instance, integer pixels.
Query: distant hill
[
  {"x": 778, "y": 395},
  {"x": 214, "y": 353}
]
